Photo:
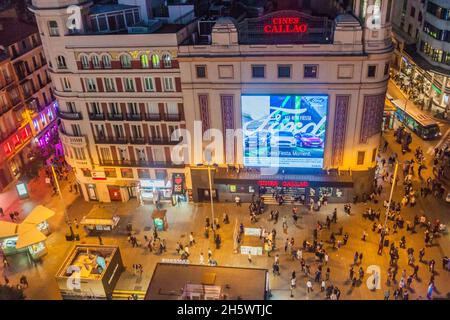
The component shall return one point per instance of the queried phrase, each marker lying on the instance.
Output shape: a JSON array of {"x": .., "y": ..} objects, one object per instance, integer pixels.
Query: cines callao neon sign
[{"x": 286, "y": 25}]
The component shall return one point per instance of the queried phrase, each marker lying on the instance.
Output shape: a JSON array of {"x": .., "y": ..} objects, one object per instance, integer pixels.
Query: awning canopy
[
  {"x": 29, "y": 238},
  {"x": 39, "y": 214},
  {"x": 101, "y": 215},
  {"x": 8, "y": 229}
]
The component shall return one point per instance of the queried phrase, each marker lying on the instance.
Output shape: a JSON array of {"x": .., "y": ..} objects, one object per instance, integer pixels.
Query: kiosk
[
  {"x": 100, "y": 218},
  {"x": 160, "y": 220}
]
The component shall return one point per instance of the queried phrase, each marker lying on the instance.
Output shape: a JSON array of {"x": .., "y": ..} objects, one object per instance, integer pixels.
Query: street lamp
[{"x": 208, "y": 165}]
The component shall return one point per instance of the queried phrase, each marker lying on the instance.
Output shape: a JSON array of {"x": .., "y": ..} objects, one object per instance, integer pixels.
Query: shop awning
[
  {"x": 100, "y": 215},
  {"x": 8, "y": 229},
  {"x": 39, "y": 214},
  {"x": 389, "y": 106},
  {"x": 29, "y": 238}
]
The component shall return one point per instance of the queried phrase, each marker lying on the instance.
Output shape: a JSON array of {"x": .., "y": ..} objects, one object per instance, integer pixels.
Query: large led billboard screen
[{"x": 286, "y": 131}]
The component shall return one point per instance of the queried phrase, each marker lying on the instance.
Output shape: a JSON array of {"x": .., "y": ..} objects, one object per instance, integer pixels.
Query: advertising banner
[
  {"x": 286, "y": 131},
  {"x": 178, "y": 183}
]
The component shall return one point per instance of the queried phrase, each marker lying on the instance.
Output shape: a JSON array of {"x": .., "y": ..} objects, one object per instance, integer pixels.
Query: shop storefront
[
  {"x": 299, "y": 188},
  {"x": 155, "y": 190}
]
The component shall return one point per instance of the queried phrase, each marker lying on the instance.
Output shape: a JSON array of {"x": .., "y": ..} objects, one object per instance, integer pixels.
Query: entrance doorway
[
  {"x": 114, "y": 193},
  {"x": 132, "y": 192},
  {"x": 92, "y": 192},
  {"x": 203, "y": 195}
]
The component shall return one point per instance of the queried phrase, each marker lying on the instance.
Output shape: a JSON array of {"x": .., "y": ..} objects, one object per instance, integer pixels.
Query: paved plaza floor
[{"x": 191, "y": 218}]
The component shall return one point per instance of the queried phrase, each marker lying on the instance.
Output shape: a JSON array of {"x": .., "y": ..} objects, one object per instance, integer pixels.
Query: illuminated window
[
  {"x": 155, "y": 61},
  {"x": 310, "y": 71},
  {"x": 144, "y": 61},
  {"x": 36, "y": 124}
]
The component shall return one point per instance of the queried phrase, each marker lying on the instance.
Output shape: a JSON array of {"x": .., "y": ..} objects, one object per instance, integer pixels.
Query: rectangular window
[
  {"x": 168, "y": 84},
  {"x": 141, "y": 154},
  {"x": 258, "y": 71},
  {"x": 66, "y": 84},
  {"x": 126, "y": 173},
  {"x": 371, "y": 71},
  {"x": 143, "y": 173},
  {"x": 91, "y": 85},
  {"x": 105, "y": 154},
  {"x": 110, "y": 172},
  {"x": 200, "y": 71},
  {"x": 148, "y": 84},
  {"x": 129, "y": 84},
  {"x": 284, "y": 71},
  {"x": 361, "y": 155},
  {"x": 76, "y": 130},
  {"x": 53, "y": 29},
  {"x": 374, "y": 155},
  {"x": 310, "y": 71},
  {"x": 110, "y": 85},
  {"x": 386, "y": 68}
]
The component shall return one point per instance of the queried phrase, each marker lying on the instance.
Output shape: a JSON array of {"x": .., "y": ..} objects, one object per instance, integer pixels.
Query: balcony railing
[
  {"x": 134, "y": 117},
  {"x": 71, "y": 139},
  {"x": 152, "y": 117},
  {"x": 70, "y": 115},
  {"x": 145, "y": 164},
  {"x": 137, "y": 141},
  {"x": 153, "y": 141},
  {"x": 115, "y": 116},
  {"x": 110, "y": 140},
  {"x": 172, "y": 117},
  {"x": 96, "y": 116}
]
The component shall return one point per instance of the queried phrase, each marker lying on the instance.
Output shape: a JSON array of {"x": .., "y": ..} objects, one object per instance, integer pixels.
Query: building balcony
[
  {"x": 76, "y": 141},
  {"x": 115, "y": 116},
  {"x": 110, "y": 140},
  {"x": 153, "y": 117},
  {"x": 137, "y": 141},
  {"x": 70, "y": 115},
  {"x": 140, "y": 164},
  {"x": 162, "y": 141},
  {"x": 172, "y": 117},
  {"x": 140, "y": 141},
  {"x": 134, "y": 117},
  {"x": 96, "y": 116}
]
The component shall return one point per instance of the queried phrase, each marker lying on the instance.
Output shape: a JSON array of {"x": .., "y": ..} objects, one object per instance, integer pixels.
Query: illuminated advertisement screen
[{"x": 285, "y": 131}]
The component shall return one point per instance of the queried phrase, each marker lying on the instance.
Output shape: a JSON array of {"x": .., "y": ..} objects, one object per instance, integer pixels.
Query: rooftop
[
  {"x": 90, "y": 260},
  {"x": 14, "y": 30},
  {"x": 184, "y": 282},
  {"x": 104, "y": 8}
]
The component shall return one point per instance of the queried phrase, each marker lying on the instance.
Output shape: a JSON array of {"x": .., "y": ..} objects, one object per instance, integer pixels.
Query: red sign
[
  {"x": 286, "y": 25},
  {"x": 272, "y": 183}
]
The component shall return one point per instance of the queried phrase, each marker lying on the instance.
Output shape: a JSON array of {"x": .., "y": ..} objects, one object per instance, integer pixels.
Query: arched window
[
  {"x": 155, "y": 61},
  {"x": 125, "y": 61},
  {"x": 84, "y": 62},
  {"x": 106, "y": 59},
  {"x": 95, "y": 61},
  {"x": 167, "y": 60},
  {"x": 61, "y": 62},
  {"x": 144, "y": 61}
]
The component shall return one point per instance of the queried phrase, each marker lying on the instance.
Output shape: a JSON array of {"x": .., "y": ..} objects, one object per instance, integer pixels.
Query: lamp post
[{"x": 212, "y": 202}]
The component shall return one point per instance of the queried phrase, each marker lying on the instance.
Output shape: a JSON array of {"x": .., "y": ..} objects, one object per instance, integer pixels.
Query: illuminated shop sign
[
  {"x": 273, "y": 183},
  {"x": 178, "y": 183},
  {"x": 286, "y": 25}
]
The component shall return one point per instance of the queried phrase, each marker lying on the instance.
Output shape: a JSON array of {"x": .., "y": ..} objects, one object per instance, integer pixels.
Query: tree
[{"x": 11, "y": 293}]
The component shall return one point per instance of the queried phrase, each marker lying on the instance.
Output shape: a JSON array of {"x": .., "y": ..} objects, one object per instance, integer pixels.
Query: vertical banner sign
[{"x": 178, "y": 183}]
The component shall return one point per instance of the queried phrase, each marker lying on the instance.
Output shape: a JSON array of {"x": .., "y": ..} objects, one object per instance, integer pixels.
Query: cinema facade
[{"x": 308, "y": 93}]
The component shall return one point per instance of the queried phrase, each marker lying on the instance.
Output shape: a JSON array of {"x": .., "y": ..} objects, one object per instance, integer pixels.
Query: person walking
[
  {"x": 387, "y": 294},
  {"x": 293, "y": 285},
  {"x": 202, "y": 258},
  {"x": 309, "y": 286},
  {"x": 100, "y": 241},
  {"x": 191, "y": 239},
  {"x": 249, "y": 258},
  {"x": 76, "y": 223},
  {"x": 24, "y": 281}
]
